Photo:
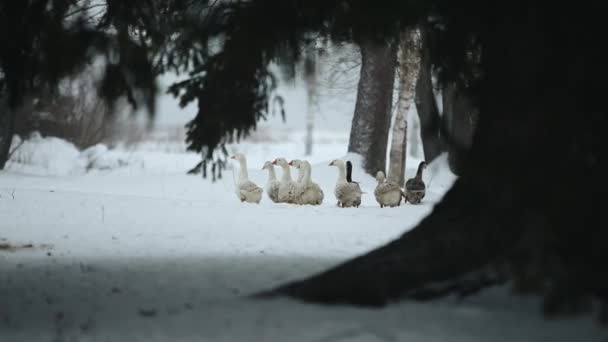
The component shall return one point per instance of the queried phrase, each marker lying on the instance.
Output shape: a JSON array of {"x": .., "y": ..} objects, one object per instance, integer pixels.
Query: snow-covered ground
[{"x": 137, "y": 250}]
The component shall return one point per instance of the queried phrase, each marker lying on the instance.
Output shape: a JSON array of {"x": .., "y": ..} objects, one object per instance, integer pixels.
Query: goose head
[
  {"x": 267, "y": 165},
  {"x": 238, "y": 157},
  {"x": 296, "y": 163},
  {"x": 338, "y": 163},
  {"x": 421, "y": 167},
  {"x": 282, "y": 162},
  {"x": 380, "y": 177}
]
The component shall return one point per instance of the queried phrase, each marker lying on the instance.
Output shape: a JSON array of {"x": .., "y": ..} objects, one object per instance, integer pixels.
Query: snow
[
  {"x": 50, "y": 156},
  {"x": 98, "y": 157},
  {"x": 142, "y": 251},
  {"x": 46, "y": 155}
]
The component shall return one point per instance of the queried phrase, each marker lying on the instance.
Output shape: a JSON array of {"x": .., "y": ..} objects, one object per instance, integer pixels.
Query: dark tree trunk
[
  {"x": 529, "y": 206},
  {"x": 460, "y": 113},
  {"x": 7, "y": 128},
  {"x": 372, "y": 118},
  {"x": 430, "y": 121}
]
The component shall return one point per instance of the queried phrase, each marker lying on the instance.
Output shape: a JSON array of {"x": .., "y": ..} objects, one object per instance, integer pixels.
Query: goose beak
[
  {"x": 233, "y": 157},
  {"x": 274, "y": 162},
  {"x": 331, "y": 164},
  {"x": 291, "y": 163}
]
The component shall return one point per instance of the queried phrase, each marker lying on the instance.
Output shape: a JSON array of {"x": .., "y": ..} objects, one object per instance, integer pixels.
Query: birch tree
[{"x": 409, "y": 66}]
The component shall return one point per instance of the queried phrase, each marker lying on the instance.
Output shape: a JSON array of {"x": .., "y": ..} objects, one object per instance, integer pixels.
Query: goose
[
  {"x": 349, "y": 173},
  {"x": 248, "y": 191},
  {"x": 318, "y": 195},
  {"x": 272, "y": 187},
  {"x": 387, "y": 193},
  {"x": 287, "y": 187},
  {"x": 296, "y": 163},
  {"x": 347, "y": 193},
  {"x": 308, "y": 192},
  {"x": 349, "y": 177},
  {"x": 414, "y": 187}
]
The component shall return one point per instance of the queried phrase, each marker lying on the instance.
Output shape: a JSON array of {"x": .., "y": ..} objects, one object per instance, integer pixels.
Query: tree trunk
[
  {"x": 529, "y": 206},
  {"x": 460, "y": 113},
  {"x": 409, "y": 66},
  {"x": 430, "y": 122},
  {"x": 313, "y": 101},
  {"x": 7, "y": 128},
  {"x": 414, "y": 136},
  {"x": 372, "y": 118}
]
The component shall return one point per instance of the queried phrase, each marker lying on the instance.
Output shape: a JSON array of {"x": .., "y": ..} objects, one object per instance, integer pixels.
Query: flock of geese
[{"x": 304, "y": 191}]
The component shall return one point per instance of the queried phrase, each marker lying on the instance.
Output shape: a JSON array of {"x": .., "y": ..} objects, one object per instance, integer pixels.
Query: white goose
[
  {"x": 272, "y": 187},
  {"x": 307, "y": 192},
  {"x": 296, "y": 163},
  {"x": 287, "y": 187},
  {"x": 387, "y": 193},
  {"x": 248, "y": 191},
  {"x": 347, "y": 193}
]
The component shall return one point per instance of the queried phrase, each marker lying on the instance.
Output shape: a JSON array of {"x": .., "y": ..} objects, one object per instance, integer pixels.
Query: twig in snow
[
  {"x": 13, "y": 193},
  {"x": 149, "y": 312},
  {"x": 103, "y": 214}
]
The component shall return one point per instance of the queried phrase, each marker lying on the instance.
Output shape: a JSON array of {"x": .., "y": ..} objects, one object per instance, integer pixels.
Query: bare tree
[
  {"x": 460, "y": 112},
  {"x": 414, "y": 136},
  {"x": 313, "y": 99},
  {"x": 409, "y": 66},
  {"x": 372, "y": 118},
  {"x": 73, "y": 112},
  {"x": 7, "y": 127},
  {"x": 430, "y": 121}
]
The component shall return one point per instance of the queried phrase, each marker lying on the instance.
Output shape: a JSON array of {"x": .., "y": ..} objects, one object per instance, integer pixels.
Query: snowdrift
[{"x": 53, "y": 156}]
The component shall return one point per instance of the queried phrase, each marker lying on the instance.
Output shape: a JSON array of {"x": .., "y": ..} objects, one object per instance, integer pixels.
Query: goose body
[
  {"x": 387, "y": 193},
  {"x": 287, "y": 187},
  {"x": 247, "y": 191},
  {"x": 308, "y": 192},
  {"x": 347, "y": 193},
  {"x": 272, "y": 187},
  {"x": 415, "y": 189}
]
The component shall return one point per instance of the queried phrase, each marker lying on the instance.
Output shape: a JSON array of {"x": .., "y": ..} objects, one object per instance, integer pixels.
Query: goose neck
[
  {"x": 419, "y": 172},
  {"x": 306, "y": 177},
  {"x": 342, "y": 174},
  {"x": 286, "y": 174},
  {"x": 243, "y": 175},
  {"x": 272, "y": 176}
]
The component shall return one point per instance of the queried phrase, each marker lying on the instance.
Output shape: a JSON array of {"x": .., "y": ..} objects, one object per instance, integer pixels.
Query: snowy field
[{"x": 123, "y": 246}]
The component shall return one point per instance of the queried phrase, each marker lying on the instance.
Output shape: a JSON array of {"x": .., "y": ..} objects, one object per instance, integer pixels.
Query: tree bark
[
  {"x": 430, "y": 121},
  {"x": 460, "y": 113},
  {"x": 7, "y": 128},
  {"x": 372, "y": 118},
  {"x": 409, "y": 66},
  {"x": 312, "y": 101},
  {"x": 521, "y": 211},
  {"x": 414, "y": 136}
]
